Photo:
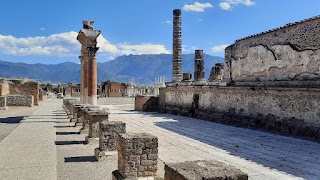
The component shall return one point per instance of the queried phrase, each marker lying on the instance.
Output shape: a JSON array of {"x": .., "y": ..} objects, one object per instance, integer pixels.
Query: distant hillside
[{"x": 140, "y": 68}]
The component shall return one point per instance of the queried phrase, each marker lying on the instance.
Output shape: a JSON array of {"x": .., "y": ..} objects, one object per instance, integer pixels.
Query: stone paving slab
[
  {"x": 29, "y": 151},
  {"x": 261, "y": 154}
]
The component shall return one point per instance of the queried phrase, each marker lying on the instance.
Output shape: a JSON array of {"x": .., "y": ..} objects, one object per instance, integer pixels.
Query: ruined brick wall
[
  {"x": 17, "y": 87},
  {"x": 289, "y": 53},
  {"x": 293, "y": 111},
  {"x": 114, "y": 89},
  {"x": 146, "y": 103}
]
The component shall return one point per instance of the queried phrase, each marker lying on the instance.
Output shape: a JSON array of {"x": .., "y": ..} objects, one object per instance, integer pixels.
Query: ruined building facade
[
  {"x": 289, "y": 54},
  {"x": 269, "y": 80}
]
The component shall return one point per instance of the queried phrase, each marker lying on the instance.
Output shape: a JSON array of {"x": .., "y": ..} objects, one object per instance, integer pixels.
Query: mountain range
[{"x": 142, "y": 69}]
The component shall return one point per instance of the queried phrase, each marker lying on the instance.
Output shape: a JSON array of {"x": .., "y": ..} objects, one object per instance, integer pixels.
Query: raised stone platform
[{"x": 204, "y": 170}]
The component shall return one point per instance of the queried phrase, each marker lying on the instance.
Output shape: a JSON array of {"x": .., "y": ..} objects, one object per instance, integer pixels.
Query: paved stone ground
[
  {"x": 47, "y": 146},
  {"x": 11, "y": 118},
  {"x": 260, "y": 154},
  {"x": 29, "y": 152}
]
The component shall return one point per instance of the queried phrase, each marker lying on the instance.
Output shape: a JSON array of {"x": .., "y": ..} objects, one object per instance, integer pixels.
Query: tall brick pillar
[
  {"x": 81, "y": 79},
  {"x": 88, "y": 39},
  {"x": 92, "y": 74}
]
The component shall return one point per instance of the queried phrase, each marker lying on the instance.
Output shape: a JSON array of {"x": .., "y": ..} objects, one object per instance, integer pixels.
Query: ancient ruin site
[{"x": 255, "y": 115}]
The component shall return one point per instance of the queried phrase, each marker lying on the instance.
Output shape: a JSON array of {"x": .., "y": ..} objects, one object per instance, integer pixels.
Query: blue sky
[{"x": 43, "y": 31}]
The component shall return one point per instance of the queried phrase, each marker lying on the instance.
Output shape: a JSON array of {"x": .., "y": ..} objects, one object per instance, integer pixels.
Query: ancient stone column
[
  {"x": 177, "y": 47},
  {"x": 81, "y": 79},
  {"x": 199, "y": 73},
  {"x": 92, "y": 74},
  {"x": 88, "y": 39}
]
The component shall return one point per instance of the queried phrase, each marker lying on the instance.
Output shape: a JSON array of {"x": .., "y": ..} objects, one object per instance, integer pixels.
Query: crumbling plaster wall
[
  {"x": 275, "y": 108},
  {"x": 289, "y": 53}
]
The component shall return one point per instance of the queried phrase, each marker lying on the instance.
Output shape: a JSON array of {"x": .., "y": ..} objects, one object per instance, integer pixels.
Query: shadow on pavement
[
  {"x": 12, "y": 120},
  {"x": 67, "y": 133},
  {"x": 287, "y": 154},
  {"x": 62, "y": 143},
  {"x": 80, "y": 159}
]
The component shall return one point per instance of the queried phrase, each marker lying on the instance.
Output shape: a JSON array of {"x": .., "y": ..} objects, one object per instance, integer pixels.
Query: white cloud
[
  {"x": 145, "y": 48},
  {"x": 197, "y": 7},
  {"x": 43, "y": 29},
  {"x": 219, "y": 48},
  {"x": 228, "y": 4},
  {"x": 66, "y": 44},
  {"x": 225, "y": 5},
  {"x": 168, "y": 22}
]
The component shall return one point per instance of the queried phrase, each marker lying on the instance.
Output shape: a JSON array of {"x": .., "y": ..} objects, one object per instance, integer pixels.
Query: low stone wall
[
  {"x": 17, "y": 100},
  {"x": 3, "y": 102},
  {"x": 146, "y": 103},
  {"x": 293, "y": 111}
]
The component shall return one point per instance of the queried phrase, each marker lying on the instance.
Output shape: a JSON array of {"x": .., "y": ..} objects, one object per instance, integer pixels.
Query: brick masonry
[
  {"x": 291, "y": 111},
  {"x": 137, "y": 155},
  {"x": 109, "y": 132},
  {"x": 201, "y": 169},
  {"x": 18, "y": 87},
  {"x": 146, "y": 103}
]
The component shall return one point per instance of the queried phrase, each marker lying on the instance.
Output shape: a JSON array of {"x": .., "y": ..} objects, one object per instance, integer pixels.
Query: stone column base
[
  {"x": 84, "y": 131},
  {"x": 93, "y": 100},
  {"x": 105, "y": 155},
  {"x": 91, "y": 140},
  {"x": 117, "y": 176}
]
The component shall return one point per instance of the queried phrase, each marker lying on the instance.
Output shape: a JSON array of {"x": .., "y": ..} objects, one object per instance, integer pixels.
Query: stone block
[
  {"x": 108, "y": 134},
  {"x": 146, "y": 103},
  {"x": 3, "y": 102},
  {"x": 95, "y": 117},
  {"x": 202, "y": 169},
  {"x": 133, "y": 153}
]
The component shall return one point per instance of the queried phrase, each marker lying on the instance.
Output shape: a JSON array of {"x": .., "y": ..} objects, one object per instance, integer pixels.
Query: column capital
[{"x": 92, "y": 51}]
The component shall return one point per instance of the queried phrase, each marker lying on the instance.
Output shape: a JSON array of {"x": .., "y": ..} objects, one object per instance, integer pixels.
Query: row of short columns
[{"x": 137, "y": 153}]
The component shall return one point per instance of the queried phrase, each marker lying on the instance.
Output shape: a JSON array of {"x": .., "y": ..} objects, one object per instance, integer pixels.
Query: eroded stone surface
[
  {"x": 109, "y": 132},
  {"x": 289, "y": 53},
  {"x": 203, "y": 170},
  {"x": 137, "y": 155}
]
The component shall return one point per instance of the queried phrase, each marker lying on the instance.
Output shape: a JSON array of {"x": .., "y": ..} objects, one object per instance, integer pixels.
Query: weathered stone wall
[
  {"x": 293, "y": 111},
  {"x": 146, "y": 103},
  {"x": 19, "y": 87},
  {"x": 289, "y": 53},
  {"x": 20, "y": 100}
]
